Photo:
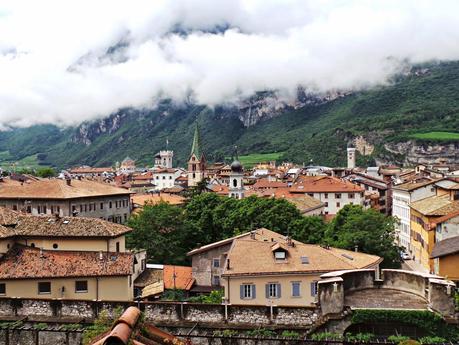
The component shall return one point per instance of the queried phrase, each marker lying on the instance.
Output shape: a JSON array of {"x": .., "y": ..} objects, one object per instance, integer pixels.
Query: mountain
[{"x": 414, "y": 118}]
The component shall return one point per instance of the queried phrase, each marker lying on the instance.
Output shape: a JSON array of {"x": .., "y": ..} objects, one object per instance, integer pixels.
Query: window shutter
[
  {"x": 254, "y": 291},
  {"x": 295, "y": 289},
  {"x": 267, "y": 290},
  {"x": 241, "y": 291},
  {"x": 279, "y": 294},
  {"x": 313, "y": 289}
]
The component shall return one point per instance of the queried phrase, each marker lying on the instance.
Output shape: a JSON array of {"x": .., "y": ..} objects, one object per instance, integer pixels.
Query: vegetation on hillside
[
  {"x": 168, "y": 232},
  {"x": 414, "y": 104}
]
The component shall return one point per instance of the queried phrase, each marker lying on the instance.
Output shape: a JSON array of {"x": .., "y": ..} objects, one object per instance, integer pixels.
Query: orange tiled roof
[
  {"x": 324, "y": 184},
  {"x": 319, "y": 259},
  {"x": 90, "y": 170},
  {"x": 172, "y": 199},
  {"x": 25, "y": 262},
  {"x": 265, "y": 183},
  {"x": 57, "y": 189},
  {"x": 177, "y": 277}
]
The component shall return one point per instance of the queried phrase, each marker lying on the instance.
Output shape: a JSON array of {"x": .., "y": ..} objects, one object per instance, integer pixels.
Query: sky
[{"x": 65, "y": 62}]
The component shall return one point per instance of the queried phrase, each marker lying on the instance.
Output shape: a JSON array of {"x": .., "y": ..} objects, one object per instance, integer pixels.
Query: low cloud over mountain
[{"x": 65, "y": 62}]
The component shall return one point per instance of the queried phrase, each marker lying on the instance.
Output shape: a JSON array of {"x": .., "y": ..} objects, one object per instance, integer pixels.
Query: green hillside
[{"x": 423, "y": 107}]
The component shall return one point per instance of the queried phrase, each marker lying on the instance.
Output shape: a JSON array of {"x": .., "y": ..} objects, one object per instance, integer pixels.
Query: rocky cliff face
[{"x": 420, "y": 153}]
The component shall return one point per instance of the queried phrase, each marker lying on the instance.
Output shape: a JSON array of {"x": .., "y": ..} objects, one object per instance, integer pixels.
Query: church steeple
[{"x": 196, "y": 147}]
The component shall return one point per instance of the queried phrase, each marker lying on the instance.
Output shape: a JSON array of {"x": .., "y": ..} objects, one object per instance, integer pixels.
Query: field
[
  {"x": 29, "y": 162},
  {"x": 436, "y": 136},
  {"x": 249, "y": 161}
]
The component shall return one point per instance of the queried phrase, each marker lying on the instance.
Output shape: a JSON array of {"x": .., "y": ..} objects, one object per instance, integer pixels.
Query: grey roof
[{"x": 446, "y": 247}]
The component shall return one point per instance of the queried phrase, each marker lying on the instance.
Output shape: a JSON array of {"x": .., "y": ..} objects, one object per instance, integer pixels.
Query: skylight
[{"x": 304, "y": 260}]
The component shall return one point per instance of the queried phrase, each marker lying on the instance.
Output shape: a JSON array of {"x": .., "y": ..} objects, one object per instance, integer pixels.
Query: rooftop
[
  {"x": 300, "y": 258},
  {"x": 324, "y": 184},
  {"x": 154, "y": 199},
  {"x": 57, "y": 189},
  {"x": 415, "y": 184},
  {"x": 26, "y": 262},
  {"x": 446, "y": 247},
  {"x": 436, "y": 205},
  {"x": 177, "y": 277}
]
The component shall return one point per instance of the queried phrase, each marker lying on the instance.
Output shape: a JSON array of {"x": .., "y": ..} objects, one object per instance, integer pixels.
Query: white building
[
  {"x": 236, "y": 186},
  {"x": 165, "y": 178},
  {"x": 402, "y": 196},
  {"x": 163, "y": 159}
]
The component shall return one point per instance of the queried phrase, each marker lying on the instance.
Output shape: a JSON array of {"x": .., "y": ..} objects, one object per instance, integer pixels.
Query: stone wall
[
  {"x": 23, "y": 336},
  {"x": 163, "y": 312}
]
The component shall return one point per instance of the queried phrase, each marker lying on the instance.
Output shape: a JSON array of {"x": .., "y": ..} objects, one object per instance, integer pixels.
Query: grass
[
  {"x": 254, "y": 158},
  {"x": 29, "y": 162},
  {"x": 436, "y": 136}
]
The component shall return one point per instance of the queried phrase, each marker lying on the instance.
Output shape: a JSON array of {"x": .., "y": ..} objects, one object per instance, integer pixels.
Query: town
[{"x": 286, "y": 250}]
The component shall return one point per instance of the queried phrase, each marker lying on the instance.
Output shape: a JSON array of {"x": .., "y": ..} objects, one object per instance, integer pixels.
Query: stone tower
[
  {"x": 236, "y": 186},
  {"x": 351, "y": 157},
  {"x": 163, "y": 159},
  {"x": 197, "y": 161}
]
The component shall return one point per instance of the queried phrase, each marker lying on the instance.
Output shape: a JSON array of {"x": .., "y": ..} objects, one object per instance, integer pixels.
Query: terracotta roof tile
[
  {"x": 323, "y": 184},
  {"x": 57, "y": 189},
  {"x": 173, "y": 199},
  {"x": 25, "y": 262},
  {"x": 436, "y": 205},
  {"x": 177, "y": 277},
  {"x": 319, "y": 259}
]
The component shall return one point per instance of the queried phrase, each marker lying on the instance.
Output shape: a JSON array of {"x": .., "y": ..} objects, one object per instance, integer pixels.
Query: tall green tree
[
  {"x": 370, "y": 231},
  {"x": 160, "y": 230},
  {"x": 308, "y": 229}
]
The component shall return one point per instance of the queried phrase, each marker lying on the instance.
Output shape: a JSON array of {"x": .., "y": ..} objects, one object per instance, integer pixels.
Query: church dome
[{"x": 236, "y": 166}]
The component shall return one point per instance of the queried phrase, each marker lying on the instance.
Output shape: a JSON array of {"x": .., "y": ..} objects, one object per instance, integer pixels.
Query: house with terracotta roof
[
  {"x": 445, "y": 255},
  {"x": 140, "y": 200},
  {"x": 66, "y": 197},
  {"x": 334, "y": 192},
  {"x": 65, "y": 257},
  {"x": 427, "y": 215},
  {"x": 266, "y": 268}
]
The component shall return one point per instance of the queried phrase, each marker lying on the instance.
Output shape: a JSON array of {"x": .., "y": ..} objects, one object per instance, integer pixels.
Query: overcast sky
[{"x": 54, "y": 65}]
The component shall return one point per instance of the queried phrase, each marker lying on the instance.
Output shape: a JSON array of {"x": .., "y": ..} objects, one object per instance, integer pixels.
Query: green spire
[{"x": 196, "y": 148}]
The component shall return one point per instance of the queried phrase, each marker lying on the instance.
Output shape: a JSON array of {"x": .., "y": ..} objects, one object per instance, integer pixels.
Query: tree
[
  {"x": 46, "y": 172},
  {"x": 308, "y": 229},
  {"x": 368, "y": 230},
  {"x": 159, "y": 229}
]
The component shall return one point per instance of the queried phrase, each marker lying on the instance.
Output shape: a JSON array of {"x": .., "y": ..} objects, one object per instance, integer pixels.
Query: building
[
  {"x": 351, "y": 157},
  {"x": 87, "y": 172},
  {"x": 334, "y": 192},
  {"x": 127, "y": 166},
  {"x": 236, "y": 186},
  {"x": 69, "y": 258},
  {"x": 375, "y": 188},
  {"x": 70, "y": 197},
  {"x": 403, "y": 195},
  {"x": 138, "y": 201},
  {"x": 282, "y": 271},
  {"x": 197, "y": 161},
  {"x": 163, "y": 159},
  {"x": 445, "y": 255},
  {"x": 165, "y": 177},
  {"x": 425, "y": 215}
]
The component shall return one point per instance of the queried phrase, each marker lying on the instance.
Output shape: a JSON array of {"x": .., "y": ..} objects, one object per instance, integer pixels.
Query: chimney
[
  {"x": 68, "y": 181},
  {"x": 356, "y": 248},
  {"x": 101, "y": 256},
  {"x": 252, "y": 235},
  {"x": 289, "y": 241}
]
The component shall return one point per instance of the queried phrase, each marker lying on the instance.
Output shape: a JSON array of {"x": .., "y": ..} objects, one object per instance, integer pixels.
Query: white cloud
[{"x": 54, "y": 67}]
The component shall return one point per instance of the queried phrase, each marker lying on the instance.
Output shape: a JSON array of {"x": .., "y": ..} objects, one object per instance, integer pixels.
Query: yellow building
[
  {"x": 424, "y": 216},
  {"x": 283, "y": 271},
  {"x": 445, "y": 255},
  {"x": 69, "y": 257}
]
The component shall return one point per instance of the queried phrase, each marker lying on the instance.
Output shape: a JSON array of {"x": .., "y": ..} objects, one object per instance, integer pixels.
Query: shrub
[
  {"x": 290, "y": 334},
  {"x": 326, "y": 336},
  {"x": 432, "y": 340},
  {"x": 173, "y": 295},
  {"x": 215, "y": 297},
  {"x": 40, "y": 326},
  {"x": 261, "y": 332},
  {"x": 101, "y": 325},
  {"x": 71, "y": 327},
  {"x": 397, "y": 338},
  {"x": 360, "y": 337},
  {"x": 225, "y": 333}
]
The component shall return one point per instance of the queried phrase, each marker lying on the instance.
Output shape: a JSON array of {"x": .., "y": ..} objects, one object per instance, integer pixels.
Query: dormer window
[{"x": 280, "y": 255}]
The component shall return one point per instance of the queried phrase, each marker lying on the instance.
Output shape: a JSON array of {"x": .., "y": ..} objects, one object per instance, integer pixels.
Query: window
[
  {"x": 170, "y": 177},
  {"x": 216, "y": 263},
  {"x": 117, "y": 247},
  {"x": 325, "y": 195},
  {"x": 55, "y": 246},
  {"x": 44, "y": 288},
  {"x": 351, "y": 196},
  {"x": 296, "y": 289},
  {"x": 311, "y": 194},
  {"x": 234, "y": 183},
  {"x": 273, "y": 290},
  {"x": 101, "y": 205},
  {"x": 32, "y": 245},
  {"x": 338, "y": 204},
  {"x": 2, "y": 289},
  {"x": 125, "y": 217},
  {"x": 216, "y": 281},
  {"x": 338, "y": 195},
  {"x": 81, "y": 286},
  {"x": 314, "y": 287},
  {"x": 279, "y": 255},
  {"x": 81, "y": 208},
  {"x": 110, "y": 204},
  {"x": 248, "y": 291},
  {"x": 326, "y": 203},
  {"x": 15, "y": 207}
]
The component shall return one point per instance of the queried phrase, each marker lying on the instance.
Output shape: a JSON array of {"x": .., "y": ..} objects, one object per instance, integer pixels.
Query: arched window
[{"x": 234, "y": 183}]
